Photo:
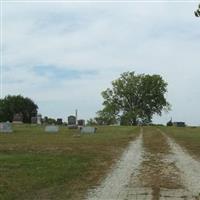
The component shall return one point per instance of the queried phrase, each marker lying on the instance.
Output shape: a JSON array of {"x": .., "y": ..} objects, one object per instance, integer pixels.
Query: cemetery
[
  {"x": 71, "y": 158},
  {"x": 60, "y": 55},
  {"x": 66, "y": 151}
]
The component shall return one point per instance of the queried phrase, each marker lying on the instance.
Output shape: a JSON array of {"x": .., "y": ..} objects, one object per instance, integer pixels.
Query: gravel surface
[
  {"x": 123, "y": 182},
  {"x": 189, "y": 167},
  {"x": 115, "y": 184}
]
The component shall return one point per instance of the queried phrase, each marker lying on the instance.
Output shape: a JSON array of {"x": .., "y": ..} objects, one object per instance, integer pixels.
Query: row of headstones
[
  {"x": 18, "y": 118},
  {"x": 6, "y": 127},
  {"x": 72, "y": 121}
]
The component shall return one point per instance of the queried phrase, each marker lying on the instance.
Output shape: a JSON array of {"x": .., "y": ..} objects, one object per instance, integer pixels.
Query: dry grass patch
[
  {"x": 156, "y": 171},
  {"x": 188, "y": 137}
]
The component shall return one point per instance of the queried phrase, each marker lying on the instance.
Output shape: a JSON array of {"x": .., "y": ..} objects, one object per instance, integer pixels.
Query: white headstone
[
  {"x": 5, "y": 127},
  {"x": 51, "y": 128},
  {"x": 39, "y": 119},
  {"x": 88, "y": 129}
]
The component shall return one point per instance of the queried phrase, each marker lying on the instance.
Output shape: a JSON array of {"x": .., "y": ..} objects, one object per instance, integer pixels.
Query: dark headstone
[
  {"x": 81, "y": 122},
  {"x": 71, "y": 120},
  {"x": 18, "y": 118},
  {"x": 59, "y": 121},
  {"x": 179, "y": 124}
]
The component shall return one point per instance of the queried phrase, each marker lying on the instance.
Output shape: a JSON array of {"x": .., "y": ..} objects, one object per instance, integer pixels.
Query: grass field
[
  {"x": 39, "y": 165},
  {"x": 189, "y": 137}
]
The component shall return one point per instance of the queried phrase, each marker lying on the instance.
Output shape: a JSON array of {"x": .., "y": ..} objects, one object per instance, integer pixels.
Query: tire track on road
[
  {"x": 157, "y": 172},
  {"x": 189, "y": 168},
  {"x": 114, "y": 187}
]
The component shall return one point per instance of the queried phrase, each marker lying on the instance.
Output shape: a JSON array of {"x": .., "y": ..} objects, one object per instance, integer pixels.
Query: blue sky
[{"x": 64, "y": 54}]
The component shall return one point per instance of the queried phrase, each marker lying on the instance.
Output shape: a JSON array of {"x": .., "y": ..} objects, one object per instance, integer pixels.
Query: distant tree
[
  {"x": 91, "y": 122},
  {"x": 133, "y": 98},
  {"x": 45, "y": 120},
  {"x": 106, "y": 117},
  {"x": 11, "y": 105},
  {"x": 170, "y": 123},
  {"x": 197, "y": 12},
  {"x": 51, "y": 121},
  {"x": 48, "y": 120}
]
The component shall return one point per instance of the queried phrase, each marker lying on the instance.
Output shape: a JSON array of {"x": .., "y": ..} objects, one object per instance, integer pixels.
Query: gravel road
[{"x": 168, "y": 175}]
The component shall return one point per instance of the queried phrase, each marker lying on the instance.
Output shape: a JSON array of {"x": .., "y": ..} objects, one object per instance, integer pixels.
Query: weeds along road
[{"x": 153, "y": 167}]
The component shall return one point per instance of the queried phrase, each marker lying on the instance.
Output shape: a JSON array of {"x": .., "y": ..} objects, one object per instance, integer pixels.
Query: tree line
[
  {"x": 133, "y": 99},
  {"x": 17, "y": 104}
]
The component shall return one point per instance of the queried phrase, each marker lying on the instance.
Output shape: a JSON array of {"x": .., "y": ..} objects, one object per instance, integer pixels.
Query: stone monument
[
  {"x": 59, "y": 121},
  {"x": 88, "y": 129},
  {"x": 72, "y": 122},
  {"x": 81, "y": 122},
  {"x": 18, "y": 118},
  {"x": 39, "y": 119},
  {"x": 5, "y": 127},
  {"x": 33, "y": 120},
  {"x": 51, "y": 128}
]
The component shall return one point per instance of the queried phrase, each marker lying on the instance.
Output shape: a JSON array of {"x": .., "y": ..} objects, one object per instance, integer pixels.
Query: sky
[{"x": 64, "y": 54}]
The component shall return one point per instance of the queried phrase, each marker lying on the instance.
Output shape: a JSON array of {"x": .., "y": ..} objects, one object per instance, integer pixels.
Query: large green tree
[
  {"x": 11, "y": 105},
  {"x": 133, "y": 98}
]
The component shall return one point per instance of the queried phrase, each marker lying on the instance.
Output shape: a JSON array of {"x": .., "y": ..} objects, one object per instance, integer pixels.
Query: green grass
[
  {"x": 186, "y": 136},
  {"x": 39, "y": 165}
]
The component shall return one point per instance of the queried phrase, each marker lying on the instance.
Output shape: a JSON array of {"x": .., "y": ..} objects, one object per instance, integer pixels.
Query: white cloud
[{"x": 108, "y": 38}]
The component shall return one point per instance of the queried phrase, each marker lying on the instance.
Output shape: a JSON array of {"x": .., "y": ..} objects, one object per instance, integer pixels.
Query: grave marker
[
  {"x": 59, "y": 121},
  {"x": 72, "y": 122},
  {"x": 5, "y": 127},
  {"x": 51, "y": 128},
  {"x": 88, "y": 129},
  {"x": 81, "y": 122},
  {"x": 33, "y": 120},
  {"x": 39, "y": 119},
  {"x": 18, "y": 118}
]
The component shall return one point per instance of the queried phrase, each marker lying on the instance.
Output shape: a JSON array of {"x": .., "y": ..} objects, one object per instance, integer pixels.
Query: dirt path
[
  {"x": 158, "y": 172},
  {"x": 114, "y": 186},
  {"x": 188, "y": 166},
  {"x": 153, "y": 167}
]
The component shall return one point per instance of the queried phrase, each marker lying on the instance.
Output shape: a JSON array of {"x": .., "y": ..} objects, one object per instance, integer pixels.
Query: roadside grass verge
[
  {"x": 39, "y": 165},
  {"x": 188, "y": 137}
]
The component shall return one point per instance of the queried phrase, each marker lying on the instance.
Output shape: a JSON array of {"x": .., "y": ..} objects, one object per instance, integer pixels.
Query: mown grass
[
  {"x": 39, "y": 165},
  {"x": 189, "y": 137}
]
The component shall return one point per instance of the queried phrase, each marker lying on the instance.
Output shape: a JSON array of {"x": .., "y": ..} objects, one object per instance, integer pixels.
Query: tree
[
  {"x": 170, "y": 123},
  {"x": 197, "y": 12},
  {"x": 134, "y": 98},
  {"x": 11, "y": 105},
  {"x": 91, "y": 122}
]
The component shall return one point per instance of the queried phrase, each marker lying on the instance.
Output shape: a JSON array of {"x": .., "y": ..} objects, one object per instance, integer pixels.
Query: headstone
[
  {"x": 72, "y": 122},
  {"x": 52, "y": 128},
  {"x": 18, "y": 118},
  {"x": 179, "y": 124},
  {"x": 81, "y": 122},
  {"x": 33, "y": 120},
  {"x": 5, "y": 127},
  {"x": 59, "y": 121},
  {"x": 88, "y": 129},
  {"x": 39, "y": 119}
]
